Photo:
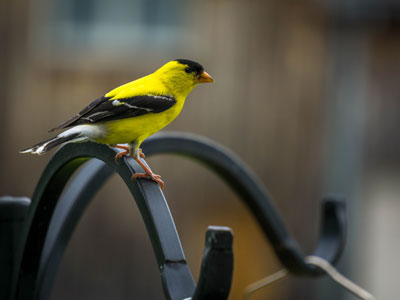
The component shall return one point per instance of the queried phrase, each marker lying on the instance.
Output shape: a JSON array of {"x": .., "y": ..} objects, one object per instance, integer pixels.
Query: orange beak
[{"x": 204, "y": 77}]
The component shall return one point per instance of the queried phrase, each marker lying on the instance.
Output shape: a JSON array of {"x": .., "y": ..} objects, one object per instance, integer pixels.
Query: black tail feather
[{"x": 49, "y": 144}]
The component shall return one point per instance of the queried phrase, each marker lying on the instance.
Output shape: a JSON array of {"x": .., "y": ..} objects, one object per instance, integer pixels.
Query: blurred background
[{"x": 306, "y": 93}]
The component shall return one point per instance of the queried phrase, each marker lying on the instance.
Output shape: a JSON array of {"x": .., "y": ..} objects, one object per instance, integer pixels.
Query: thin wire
[
  {"x": 339, "y": 278},
  {"x": 250, "y": 289}
]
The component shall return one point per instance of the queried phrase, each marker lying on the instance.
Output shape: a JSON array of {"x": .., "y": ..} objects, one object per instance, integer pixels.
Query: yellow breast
[{"x": 137, "y": 129}]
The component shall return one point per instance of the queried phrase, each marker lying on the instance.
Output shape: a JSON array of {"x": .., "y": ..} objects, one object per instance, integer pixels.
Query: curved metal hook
[
  {"x": 30, "y": 280},
  {"x": 169, "y": 255},
  {"x": 241, "y": 179}
]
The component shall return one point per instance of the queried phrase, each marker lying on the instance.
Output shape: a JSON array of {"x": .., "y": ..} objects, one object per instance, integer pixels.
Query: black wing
[
  {"x": 103, "y": 109},
  {"x": 84, "y": 111}
]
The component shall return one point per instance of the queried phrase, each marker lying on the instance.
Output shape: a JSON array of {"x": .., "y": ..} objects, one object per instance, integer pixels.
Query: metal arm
[
  {"x": 31, "y": 281},
  {"x": 41, "y": 255}
]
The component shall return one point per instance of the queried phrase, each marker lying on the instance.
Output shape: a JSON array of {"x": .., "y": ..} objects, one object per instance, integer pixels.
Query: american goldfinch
[{"x": 132, "y": 112}]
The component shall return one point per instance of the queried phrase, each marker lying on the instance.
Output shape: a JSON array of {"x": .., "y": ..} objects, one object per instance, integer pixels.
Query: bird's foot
[
  {"x": 151, "y": 175},
  {"x": 126, "y": 152},
  {"x": 122, "y": 153},
  {"x": 148, "y": 174}
]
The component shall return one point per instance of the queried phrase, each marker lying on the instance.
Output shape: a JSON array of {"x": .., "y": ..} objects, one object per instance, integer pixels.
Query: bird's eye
[{"x": 188, "y": 70}]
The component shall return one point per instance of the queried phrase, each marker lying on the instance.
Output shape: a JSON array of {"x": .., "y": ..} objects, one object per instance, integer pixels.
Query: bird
[{"x": 131, "y": 113}]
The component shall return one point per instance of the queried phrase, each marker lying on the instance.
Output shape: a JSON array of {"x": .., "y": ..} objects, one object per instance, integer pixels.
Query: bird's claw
[
  {"x": 120, "y": 154},
  {"x": 126, "y": 152},
  {"x": 152, "y": 176}
]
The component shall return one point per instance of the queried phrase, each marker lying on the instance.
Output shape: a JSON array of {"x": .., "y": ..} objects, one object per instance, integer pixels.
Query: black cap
[{"x": 193, "y": 66}]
